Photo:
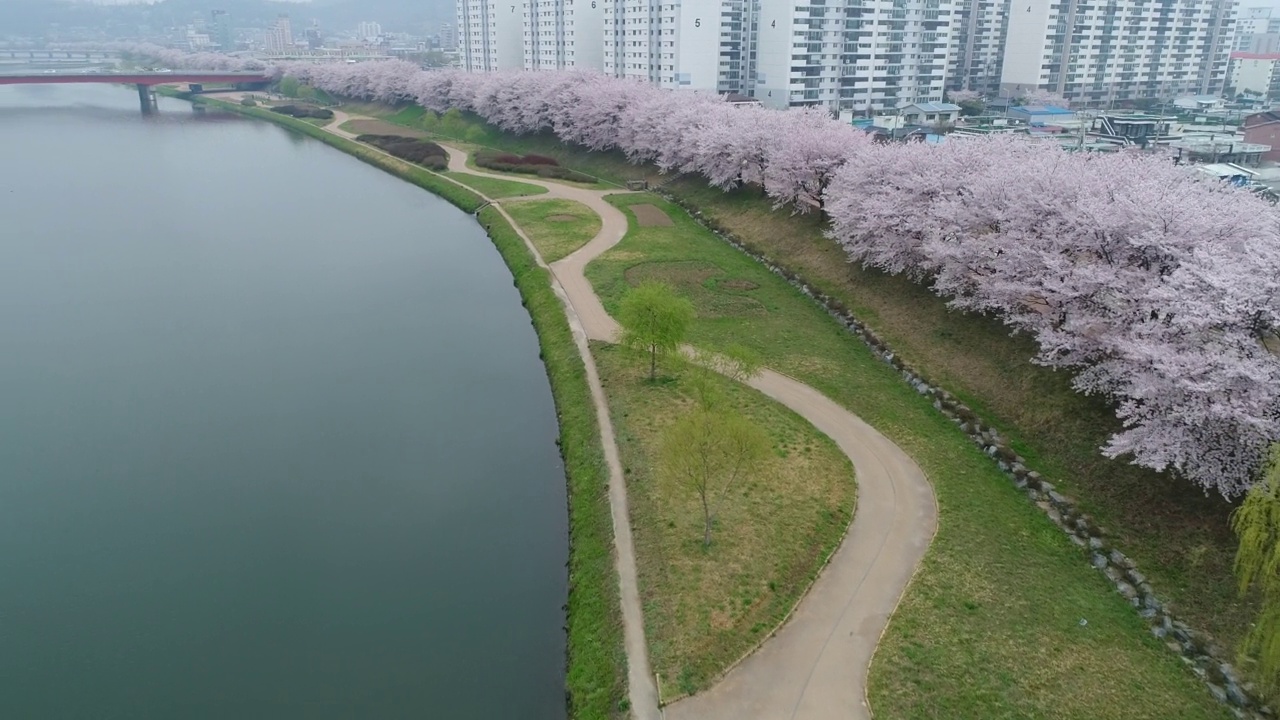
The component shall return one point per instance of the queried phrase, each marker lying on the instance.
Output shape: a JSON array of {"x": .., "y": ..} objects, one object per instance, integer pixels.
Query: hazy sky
[{"x": 134, "y": 2}]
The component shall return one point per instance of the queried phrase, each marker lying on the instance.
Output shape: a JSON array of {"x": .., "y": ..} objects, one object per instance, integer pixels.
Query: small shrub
[
  {"x": 248, "y": 102},
  {"x": 301, "y": 111},
  {"x": 509, "y": 162},
  {"x": 560, "y": 173},
  {"x": 421, "y": 152}
]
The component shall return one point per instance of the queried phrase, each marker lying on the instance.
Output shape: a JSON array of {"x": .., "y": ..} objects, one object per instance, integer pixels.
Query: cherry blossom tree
[
  {"x": 1158, "y": 290},
  {"x": 1044, "y": 97}
]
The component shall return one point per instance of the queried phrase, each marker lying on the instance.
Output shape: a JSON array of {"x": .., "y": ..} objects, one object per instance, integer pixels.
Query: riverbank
[
  {"x": 954, "y": 649},
  {"x": 595, "y": 684}
]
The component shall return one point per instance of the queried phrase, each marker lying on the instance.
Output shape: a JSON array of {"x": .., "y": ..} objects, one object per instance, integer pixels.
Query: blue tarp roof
[{"x": 1041, "y": 110}]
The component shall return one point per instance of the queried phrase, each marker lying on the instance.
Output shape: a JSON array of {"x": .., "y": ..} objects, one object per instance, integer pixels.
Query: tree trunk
[{"x": 706, "y": 522}]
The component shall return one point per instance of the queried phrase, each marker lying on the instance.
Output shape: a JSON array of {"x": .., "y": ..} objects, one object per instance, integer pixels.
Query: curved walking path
[{"x": 815, "y": 666}]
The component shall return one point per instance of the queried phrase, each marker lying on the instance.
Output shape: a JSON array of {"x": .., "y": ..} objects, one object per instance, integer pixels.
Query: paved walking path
[{"x": 815, "y": 667}]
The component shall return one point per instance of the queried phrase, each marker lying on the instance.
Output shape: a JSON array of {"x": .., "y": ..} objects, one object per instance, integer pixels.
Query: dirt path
[{"x": 815, "y": 666}]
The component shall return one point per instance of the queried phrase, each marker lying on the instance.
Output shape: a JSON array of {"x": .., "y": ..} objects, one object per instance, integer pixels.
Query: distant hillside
[{"x": 39, "y": 17}]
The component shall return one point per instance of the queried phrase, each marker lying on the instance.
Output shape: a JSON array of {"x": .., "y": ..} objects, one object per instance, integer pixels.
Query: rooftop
[
  {"x": 1226, "y": 170},
  {"x": 1226, "y": 145},
  {"x": 1041, "y": 110},
  {"x": 934, "y": 107}
]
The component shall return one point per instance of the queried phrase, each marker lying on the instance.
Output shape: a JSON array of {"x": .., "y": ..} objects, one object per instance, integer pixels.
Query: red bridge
[{"x": 144, "y": 81}]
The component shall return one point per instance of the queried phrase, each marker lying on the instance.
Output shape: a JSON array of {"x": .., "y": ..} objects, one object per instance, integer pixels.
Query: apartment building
[
  {"x": 1255, "y": 74},
  {"x": 490, "y": 35},
  {"x": 279, "y": 37},
  {"x": 678, "y": 45},
  {"x": 853, "y": 55},
  {"x": 1255, "y": 30},
  {"x": 560, "y": 34},
  {"x": 859, "y": 55},
  {"x": 976, "y": 56},
  {"x": 1096, "y": 53}
]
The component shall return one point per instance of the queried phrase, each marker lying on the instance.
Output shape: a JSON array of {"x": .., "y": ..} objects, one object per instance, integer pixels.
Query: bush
[
  {"x": 539, "y": 165},
  {"x": 492, "y": 160},
  {"x": 560, "y": 173},
  {"x": 249, "y": 102},
  {"x": 302, "y": 111},
  {"x": 421, "y": 152}
]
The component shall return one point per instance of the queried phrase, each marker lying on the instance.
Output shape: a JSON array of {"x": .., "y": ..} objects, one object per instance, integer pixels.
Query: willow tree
[
  {"x": 710, "y": 451},
  {"x": 736, "y": 362},
  {"x": 289, "y": 86},
  {"x": 1257, "y": 524},
  {"x": 654, "y": 319}
]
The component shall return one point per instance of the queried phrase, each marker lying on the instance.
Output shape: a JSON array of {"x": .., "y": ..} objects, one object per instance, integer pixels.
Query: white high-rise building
[
  {"x": 633, "y": 31},
  {"x": 861, "y": 56},
  {"x": 691, "y": 45},
  {"x": 1124, "y": 50},
  {"x": 1252, "y": 23},
  {"x": 491, "y": 35},
  {"x": 976, "y": 57},
  {"x": 448, "y": 37},
  {"x": 858, "y": 55},
  {"x": 561, "y": 34},
  {"x": 369, "y": 31},
  {"x": 279, "y": 37}
]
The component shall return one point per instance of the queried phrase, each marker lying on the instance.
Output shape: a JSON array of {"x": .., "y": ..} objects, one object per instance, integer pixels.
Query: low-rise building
[
  {"x": 1264, "y": 129},
  {"x": 1220, "y": 148},
  {"x": 1041, "y": 114},
  {"x": 930, "y": 113},
  {"x": 1135, "y": 129}
]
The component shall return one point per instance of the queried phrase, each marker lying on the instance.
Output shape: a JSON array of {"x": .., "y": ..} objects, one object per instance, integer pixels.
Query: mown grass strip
[
  {"x": 556, "y": 227},
  {"x": 596, "y": 664},
  {"x": 495, "y": 188}
]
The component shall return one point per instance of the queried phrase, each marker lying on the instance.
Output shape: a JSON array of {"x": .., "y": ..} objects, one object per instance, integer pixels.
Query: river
[{"x": 275, "y": 440}]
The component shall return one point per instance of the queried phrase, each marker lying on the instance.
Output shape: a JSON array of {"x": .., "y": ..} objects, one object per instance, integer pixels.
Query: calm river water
[{"x": 275, "y": 441}]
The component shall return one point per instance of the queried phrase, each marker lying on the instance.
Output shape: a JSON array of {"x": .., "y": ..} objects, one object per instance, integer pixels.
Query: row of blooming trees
[{"x": 1157, "y": 288}]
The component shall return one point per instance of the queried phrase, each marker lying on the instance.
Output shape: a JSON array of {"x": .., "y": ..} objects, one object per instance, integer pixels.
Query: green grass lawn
[
  {"x": 991, "y": 626},
  {"x": 705, "y": 607},
  {"x": 556, "y": 227},
  {"x": 1179, "y": 537},
  {"x": 494, "y": 188}
]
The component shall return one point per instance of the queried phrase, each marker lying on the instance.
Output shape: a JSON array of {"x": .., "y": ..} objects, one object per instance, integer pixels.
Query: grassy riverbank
[
  {"x": 704, "y": 608},
  {"x": 991, "y": 626},
  {"x": 1179, "y": 537},
  {"x": 596, "y": 664},
  {"x": 496, "y": 188},
  {"x": 556, "y": 227}
]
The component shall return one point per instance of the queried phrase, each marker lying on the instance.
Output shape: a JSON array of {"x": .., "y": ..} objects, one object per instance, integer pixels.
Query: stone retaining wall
[{"x": 1206, "y": 659}]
